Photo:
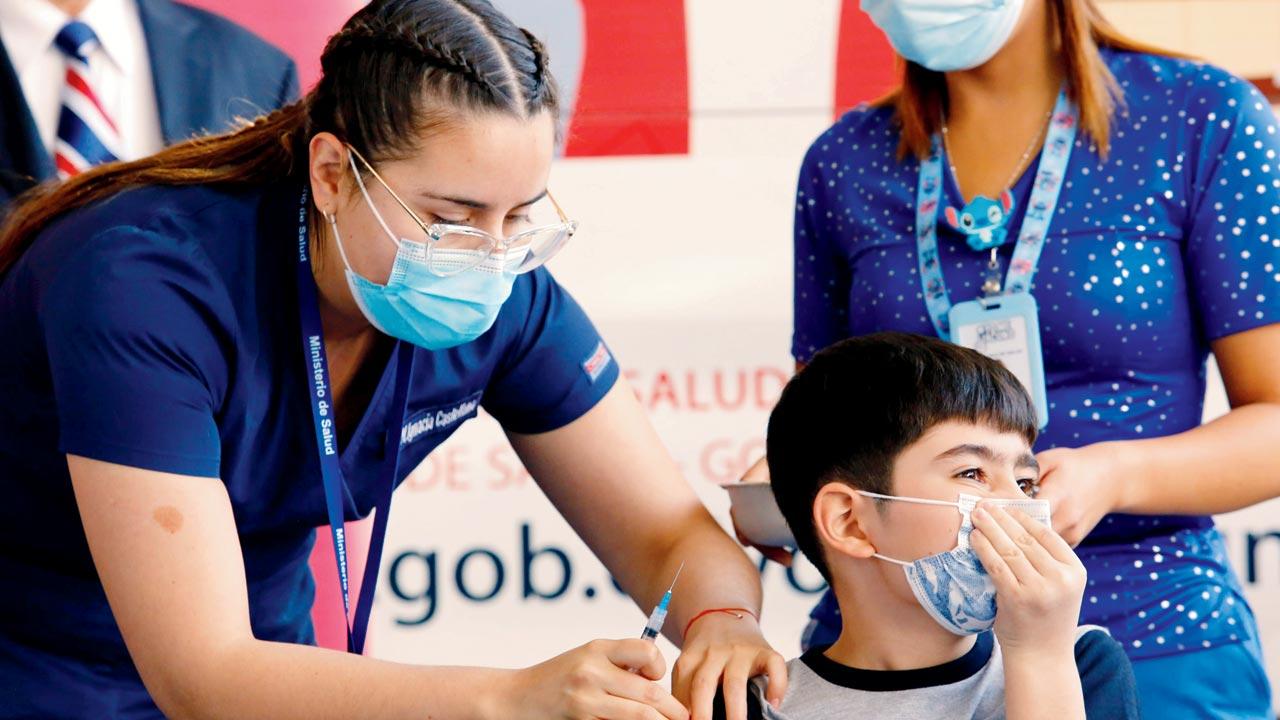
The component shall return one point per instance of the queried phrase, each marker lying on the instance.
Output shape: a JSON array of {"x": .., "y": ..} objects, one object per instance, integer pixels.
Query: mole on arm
[{"x": 169, "y": 518}]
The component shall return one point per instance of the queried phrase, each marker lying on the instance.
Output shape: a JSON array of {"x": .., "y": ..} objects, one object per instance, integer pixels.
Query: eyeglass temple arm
[
  {"x": 559, "y": 210},
  {"x": 426, "y": 228}
]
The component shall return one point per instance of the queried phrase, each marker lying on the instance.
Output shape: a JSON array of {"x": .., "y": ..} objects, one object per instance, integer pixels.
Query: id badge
[{"x": 1006, "y": 328}]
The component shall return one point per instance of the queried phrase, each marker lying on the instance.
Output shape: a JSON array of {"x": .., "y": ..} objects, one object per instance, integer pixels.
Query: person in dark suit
[{"x": 139, "y": 75}]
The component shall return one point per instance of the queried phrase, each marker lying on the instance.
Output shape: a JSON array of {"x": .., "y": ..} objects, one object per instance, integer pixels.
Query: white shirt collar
[
  {"x": 29, "y": 29},
  {"x": 113, "y": 21},
  {"x": 31, "y": 25}
]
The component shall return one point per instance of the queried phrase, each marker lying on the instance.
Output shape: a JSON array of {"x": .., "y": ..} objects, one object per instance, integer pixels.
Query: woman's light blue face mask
[
  {"x": 946, "y": 35},
  {"x": 436, "y": 297}
]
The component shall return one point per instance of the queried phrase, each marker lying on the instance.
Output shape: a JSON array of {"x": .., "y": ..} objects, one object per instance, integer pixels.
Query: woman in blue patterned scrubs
[{"x": 1165, "y": 246}]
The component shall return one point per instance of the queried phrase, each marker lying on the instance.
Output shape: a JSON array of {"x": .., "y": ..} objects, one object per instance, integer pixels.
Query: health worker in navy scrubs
[
  {"x": 213, "y": 350},
  {"x": 1034, "y": 153}
]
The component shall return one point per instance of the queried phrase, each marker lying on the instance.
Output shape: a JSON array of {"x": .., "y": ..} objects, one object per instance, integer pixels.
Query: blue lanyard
[
  {"x": 1054, "y": 158},
  {"x": 322, "y": 412}
]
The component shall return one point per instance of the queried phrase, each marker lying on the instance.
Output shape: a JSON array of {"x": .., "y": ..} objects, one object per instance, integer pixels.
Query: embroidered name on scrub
[
  {"x": 596, "y": 364},
  {"x": 439, "y": 418},
  {"x": 328, "y": 446}
]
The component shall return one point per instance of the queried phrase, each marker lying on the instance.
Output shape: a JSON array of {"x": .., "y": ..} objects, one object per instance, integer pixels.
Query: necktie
[{"x": 86, "y": 134}]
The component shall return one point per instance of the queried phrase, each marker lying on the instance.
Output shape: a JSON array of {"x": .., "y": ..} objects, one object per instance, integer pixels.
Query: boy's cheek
[
  {"x": 935, "y": 538},
  {"x": 910, "y": 542}
]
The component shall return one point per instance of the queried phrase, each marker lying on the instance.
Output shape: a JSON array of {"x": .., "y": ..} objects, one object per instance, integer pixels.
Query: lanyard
[
  {"x": 327, "y": 441},
  {"x": 1035, "y": 225}
]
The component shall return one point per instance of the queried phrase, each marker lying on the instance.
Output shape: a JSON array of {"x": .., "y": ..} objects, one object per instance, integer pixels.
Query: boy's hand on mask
[{"x": 1039, "y": 580}]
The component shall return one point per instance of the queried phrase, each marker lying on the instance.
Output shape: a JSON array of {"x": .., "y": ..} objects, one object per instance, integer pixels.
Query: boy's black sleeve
[
  {"x": 754, "y": 712},
  {"x": 1110, "y": 692}
]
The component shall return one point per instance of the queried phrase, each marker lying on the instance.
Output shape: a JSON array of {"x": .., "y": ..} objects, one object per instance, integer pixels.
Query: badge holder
[
  {"x": 1006, "y": 328},
  {"x": 1003, "y": 324}
]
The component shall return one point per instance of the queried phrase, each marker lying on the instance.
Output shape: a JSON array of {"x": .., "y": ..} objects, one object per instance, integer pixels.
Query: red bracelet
[{"x": 736, "y": 612}]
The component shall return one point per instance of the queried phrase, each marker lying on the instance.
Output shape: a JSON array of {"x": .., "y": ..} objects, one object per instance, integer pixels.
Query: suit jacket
[{"x": 207, "y": 71}]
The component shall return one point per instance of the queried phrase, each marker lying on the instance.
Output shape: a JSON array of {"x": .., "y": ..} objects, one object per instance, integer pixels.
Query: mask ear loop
[
  {"x": 337, "y": 237},
  {"x": 886, "y": 558},
  {"x": 917, "y": 501},
  {"x": 369, "y": 201}
]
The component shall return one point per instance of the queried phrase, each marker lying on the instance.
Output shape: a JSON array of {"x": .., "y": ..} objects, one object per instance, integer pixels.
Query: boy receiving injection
[{"x": 903, "y": 466}]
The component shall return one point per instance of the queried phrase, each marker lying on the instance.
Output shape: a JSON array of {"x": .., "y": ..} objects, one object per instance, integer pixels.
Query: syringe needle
[{"x": 677, "y": 577}]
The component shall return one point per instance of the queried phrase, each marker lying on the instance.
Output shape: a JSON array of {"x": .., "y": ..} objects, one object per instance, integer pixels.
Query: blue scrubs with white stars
[{"x": 1169, "y": 243}]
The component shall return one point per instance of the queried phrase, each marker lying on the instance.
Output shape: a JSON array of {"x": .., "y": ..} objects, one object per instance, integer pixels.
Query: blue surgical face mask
[
  {"x": 946, "y": 35},
  {"x": 953, "y": 586},
  {"x": 426, "y": 309}
]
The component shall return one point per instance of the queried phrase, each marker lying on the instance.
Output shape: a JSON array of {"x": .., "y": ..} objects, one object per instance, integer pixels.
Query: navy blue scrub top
[
  {"x": 160, "y": 330},
  {"x": 1169, "y": 243}
]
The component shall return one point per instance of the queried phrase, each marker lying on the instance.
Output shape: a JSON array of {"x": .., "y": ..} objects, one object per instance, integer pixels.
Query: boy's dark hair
[{"x": 848, "y": 414}]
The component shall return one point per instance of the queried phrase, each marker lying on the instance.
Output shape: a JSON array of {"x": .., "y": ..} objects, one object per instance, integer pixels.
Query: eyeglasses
[{"x": 453, "y": 249}]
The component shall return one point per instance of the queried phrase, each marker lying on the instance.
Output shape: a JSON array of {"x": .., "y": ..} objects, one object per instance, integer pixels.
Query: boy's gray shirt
[{"x": 968, "y": 688}]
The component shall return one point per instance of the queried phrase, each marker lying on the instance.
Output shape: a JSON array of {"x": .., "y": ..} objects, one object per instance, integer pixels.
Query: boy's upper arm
[{"x": 1110, "y": 691}]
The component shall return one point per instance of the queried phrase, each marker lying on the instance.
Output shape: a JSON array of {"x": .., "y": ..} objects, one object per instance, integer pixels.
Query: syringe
[{"x": 659, "y": 614}]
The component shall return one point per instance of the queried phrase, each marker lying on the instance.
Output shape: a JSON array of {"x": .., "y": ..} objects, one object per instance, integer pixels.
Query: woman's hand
[
  {"x": 1082, "y": 485},
  {"x": 593, "y": 681},
  {"x": 723, "y": 649},
  {"x": 611, "y": 457},
  {"x": 759, "y": 473}
]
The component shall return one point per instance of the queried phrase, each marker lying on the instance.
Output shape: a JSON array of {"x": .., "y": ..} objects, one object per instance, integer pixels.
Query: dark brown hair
[
  {"x": 919, "y": 100},
  {"x": 848, "y": 414},
  {"x": 398, "y": 68}
]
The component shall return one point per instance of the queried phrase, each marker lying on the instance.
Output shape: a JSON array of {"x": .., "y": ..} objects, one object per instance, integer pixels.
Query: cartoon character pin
[{"x": 983, "y": 220}]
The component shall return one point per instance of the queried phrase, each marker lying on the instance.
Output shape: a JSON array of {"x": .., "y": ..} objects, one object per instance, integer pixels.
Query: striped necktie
[{"x": 86, "y": 134}]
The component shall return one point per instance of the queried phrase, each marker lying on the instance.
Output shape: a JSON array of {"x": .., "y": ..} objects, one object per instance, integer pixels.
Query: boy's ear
[{"x": 839, "y": 516}]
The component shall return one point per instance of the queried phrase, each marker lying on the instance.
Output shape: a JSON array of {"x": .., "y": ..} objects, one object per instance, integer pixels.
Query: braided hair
[
  {"x": 452, "y": 54},
  {"x": 396, "y": 69}
]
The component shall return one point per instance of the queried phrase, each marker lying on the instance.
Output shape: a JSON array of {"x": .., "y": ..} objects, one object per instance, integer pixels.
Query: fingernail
[{"x": 776, "y": 703}]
